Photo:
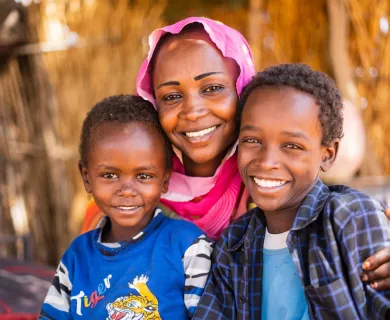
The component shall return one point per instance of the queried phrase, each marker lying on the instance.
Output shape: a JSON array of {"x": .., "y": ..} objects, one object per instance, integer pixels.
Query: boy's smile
[
  {"x": 126, "y": 174},
  {"x": 280, "y": 152}
]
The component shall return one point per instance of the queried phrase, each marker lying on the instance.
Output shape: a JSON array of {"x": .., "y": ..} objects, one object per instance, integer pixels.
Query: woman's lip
[
  {"x": 200, "y": 139},
  {"x": 198, "y": 129}
]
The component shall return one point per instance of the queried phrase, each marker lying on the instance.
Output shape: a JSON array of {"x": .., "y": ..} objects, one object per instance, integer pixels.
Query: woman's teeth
[
  {"x": 200, "y": 133},
  {"x": 268, "y": 183}
]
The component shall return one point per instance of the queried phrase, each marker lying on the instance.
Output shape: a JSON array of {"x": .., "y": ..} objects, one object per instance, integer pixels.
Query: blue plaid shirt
[{"x": 335, "y": 230}]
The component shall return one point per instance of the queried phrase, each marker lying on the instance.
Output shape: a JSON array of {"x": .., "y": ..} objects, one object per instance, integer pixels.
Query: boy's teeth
[
  {"x": 200, "y": 133},
  {"x": 128, "y": 208},
  {"x": 268, "y": 183}
]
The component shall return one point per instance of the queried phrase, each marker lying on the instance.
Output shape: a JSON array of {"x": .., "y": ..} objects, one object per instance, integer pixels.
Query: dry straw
[{"x": 44, "y": 97}]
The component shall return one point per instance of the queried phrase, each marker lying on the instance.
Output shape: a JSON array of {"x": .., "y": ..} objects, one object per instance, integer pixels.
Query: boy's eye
[
  {"x": 109, "y": 175},
  {"x": 293, "y": 146},
  {"x": 213, "y": 88},
  {"x": 144, "y": 176}
]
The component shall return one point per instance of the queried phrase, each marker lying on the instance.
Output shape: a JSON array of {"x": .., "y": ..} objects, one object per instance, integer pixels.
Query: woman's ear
[
  {"x": 84, "y": 175},
  {"x": 329, "y": 155}
]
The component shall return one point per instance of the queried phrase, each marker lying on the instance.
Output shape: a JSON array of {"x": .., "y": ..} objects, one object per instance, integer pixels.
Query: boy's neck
[
  {"x": 282, "y": 220},
  {"x": 112, "y": 232}
]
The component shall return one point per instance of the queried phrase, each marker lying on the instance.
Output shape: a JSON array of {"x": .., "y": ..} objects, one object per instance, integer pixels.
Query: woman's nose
[{"x": 193, "y": 108}]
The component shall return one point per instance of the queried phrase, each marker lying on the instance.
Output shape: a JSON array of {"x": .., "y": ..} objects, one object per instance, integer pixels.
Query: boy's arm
[
  {"x": 57, "y": 302},
  {"x": 196, "y": 263},
  {"x": 217, "y": 301},
  {"x": 366, "y": 232}
]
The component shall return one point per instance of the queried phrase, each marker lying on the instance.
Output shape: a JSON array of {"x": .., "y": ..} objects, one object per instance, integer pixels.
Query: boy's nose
[
  {"x": 267, "y": 159},
  {"x": 193, "y": 108},
  {"x": 127, "y": 189}
]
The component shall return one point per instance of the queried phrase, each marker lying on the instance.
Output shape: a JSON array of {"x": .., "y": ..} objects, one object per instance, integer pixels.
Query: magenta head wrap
[{"x": 229, "y": 41}]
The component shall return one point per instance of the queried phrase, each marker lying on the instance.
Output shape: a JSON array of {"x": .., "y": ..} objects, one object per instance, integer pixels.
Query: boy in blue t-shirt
[
  {"x": 138, "y": 264},
  {"x": 298, "y": 255}
]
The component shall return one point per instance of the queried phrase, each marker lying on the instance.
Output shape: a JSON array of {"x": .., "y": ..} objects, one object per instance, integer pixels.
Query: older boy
[{"x": 299, "y": 256}]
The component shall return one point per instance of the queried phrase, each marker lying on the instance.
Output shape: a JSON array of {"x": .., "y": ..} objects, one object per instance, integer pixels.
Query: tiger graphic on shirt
[{"x": 135, "y": 307}]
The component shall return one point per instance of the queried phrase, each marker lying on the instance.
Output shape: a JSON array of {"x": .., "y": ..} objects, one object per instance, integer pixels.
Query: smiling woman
[{"x": 194, "y": 72}]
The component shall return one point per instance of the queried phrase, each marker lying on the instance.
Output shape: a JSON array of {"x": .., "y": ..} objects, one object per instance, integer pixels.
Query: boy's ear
[
  {"x": 329, "y": 155},
  {"x": 84, "y": 175},
  {"x": 167, "y": 176}
]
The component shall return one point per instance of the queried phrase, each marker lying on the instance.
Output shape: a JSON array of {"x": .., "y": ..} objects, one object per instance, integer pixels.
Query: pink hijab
[{"x": 209, "y": 202}]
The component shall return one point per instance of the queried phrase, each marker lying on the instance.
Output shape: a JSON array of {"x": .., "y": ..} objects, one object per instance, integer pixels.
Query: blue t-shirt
[
  {"x": 283, "y": 296},
  {"x": 159, "y": 274}
]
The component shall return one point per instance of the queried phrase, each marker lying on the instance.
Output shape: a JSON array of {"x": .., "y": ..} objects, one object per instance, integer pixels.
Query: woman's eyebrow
[
  {"x": 204, "y": 75},
  {"x": 169, "y": 83}
]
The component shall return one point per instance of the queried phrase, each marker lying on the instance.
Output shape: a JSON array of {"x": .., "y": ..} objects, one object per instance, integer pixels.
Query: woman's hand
[{"x": 377, "y": 267}]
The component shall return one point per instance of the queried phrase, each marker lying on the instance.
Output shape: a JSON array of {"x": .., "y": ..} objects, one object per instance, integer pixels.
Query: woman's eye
[
  {"x": 171, "y": 97},
  {"x": 144, "y": 176},
  {"x": 213, "y": 88},
  {"x": 251, "y": 140},
  {"x": 109, "y": 175}
]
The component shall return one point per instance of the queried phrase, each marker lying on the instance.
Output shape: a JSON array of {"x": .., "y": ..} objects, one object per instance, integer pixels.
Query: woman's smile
[
  {"x": 200, "y": 137},
  {"x": 195, "y": 90}
]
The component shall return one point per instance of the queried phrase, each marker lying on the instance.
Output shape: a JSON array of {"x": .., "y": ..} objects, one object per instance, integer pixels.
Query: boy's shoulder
[
  {"x": 344, "y": 202},
  {"x": 181, "y": 231},
  {"x": 180, "y": 225},
  {"x": 245, "y": 226},
  {"x": 82, "y": 242}
]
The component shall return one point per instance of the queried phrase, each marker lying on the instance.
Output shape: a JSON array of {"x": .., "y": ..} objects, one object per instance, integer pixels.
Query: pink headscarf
[{"x": 207, "y": 201}]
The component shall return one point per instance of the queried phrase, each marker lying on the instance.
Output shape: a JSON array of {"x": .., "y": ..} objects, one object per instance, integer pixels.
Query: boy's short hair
[
  {"x": 122, "y": 109},
  {"x": 303, "y": 78}
]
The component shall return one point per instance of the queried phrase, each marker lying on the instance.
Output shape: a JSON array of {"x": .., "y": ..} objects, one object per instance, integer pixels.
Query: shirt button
[{"x": 242, "y": 299}]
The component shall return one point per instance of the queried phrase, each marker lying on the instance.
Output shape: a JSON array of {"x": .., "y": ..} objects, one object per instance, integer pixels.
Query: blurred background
[{"x": 59, "y": 57}]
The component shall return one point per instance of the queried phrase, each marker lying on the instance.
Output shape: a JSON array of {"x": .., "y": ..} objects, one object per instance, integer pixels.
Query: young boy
[
  {"x": 138, "y": 264},
  {"x": 299, "y": 256}
]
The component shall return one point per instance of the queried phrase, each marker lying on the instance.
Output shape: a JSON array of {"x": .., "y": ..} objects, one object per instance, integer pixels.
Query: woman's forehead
[
  {"x": 193, "y": 52},
  {"x": 189, "y": 38}
]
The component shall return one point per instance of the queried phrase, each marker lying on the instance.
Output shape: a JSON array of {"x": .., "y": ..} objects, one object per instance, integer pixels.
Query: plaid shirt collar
[
  {"x": 307, "y": 213},
  {"x": 252, "y": 227},
  {"x": 312, "y": 206}
]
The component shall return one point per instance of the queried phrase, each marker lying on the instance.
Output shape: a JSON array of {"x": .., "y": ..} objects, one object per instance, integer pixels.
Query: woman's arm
[{"x": 377, "y": 267}]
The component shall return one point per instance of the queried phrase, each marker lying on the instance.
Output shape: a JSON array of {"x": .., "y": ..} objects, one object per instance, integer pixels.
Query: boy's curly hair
[
  {"x": 303, "y": 78},
  {"x": 122, "y": 109}
]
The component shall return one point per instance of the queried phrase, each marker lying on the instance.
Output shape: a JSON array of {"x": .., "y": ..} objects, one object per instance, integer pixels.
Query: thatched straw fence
[{"x": 44, "y": 96}]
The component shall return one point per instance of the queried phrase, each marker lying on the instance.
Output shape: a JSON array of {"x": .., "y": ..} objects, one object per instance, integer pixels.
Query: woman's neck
[{"x": 205, "y": 169}]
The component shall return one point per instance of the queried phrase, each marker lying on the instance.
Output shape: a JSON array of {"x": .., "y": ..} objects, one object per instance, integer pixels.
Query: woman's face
[{"x": 195, "y": 89}]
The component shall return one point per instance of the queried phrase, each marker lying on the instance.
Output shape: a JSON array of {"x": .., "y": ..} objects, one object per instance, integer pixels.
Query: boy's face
[
  {"x": 126, "y": 174},
  {"x": 280, "y": 153}
]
